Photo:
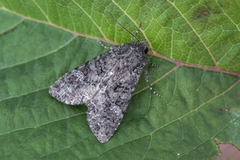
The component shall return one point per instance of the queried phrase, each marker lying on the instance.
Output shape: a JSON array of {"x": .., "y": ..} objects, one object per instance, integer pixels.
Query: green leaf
[{"x": 40, "y": 40}]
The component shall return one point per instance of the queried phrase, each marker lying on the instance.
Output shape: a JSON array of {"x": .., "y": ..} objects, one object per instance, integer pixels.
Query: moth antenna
[
  {"x": 121, "y": 25},
  {"x": 135, "y": 36}
]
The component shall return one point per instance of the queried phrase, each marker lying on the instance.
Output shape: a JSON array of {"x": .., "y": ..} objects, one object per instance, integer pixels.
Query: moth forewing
[{"x": 105, "y": 84}]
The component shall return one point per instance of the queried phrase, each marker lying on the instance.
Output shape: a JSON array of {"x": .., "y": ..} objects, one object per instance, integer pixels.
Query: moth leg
[
  {"x": 104, "y": 45},
  {"x": 150, "y": 86},
  {"x": 154, "y": 65}
]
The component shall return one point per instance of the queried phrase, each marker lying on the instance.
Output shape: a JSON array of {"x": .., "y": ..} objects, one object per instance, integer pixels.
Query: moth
[{"x": 105, "y": 84}]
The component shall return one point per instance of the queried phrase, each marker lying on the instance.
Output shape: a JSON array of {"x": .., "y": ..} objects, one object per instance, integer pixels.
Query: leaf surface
[{"x": 40, "y": 40}]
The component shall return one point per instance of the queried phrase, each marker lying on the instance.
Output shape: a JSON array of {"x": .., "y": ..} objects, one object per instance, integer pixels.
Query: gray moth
[{"x": 105, "y": 84}]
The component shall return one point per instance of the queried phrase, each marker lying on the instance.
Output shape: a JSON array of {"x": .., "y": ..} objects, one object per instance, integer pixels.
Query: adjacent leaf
[{"x": 40, "y": 40}]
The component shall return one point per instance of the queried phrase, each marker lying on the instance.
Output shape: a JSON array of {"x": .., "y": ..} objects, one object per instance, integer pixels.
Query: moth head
[{"x": 143, "y": 46}]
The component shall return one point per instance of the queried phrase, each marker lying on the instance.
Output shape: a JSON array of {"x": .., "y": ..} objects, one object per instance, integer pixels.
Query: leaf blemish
[
  {"x": 9, "y": 31},
  {"x": 200, "y": 13}
]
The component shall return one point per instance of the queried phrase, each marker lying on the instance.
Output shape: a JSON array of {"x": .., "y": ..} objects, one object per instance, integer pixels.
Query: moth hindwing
[{"x": 105, "y": 84}]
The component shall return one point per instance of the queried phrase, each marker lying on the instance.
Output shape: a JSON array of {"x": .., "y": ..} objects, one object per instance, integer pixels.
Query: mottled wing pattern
[
  {"x": 80, "y": 84},
  {"x": 107, "y": 107},
  {"x": 105, "y": 84}
]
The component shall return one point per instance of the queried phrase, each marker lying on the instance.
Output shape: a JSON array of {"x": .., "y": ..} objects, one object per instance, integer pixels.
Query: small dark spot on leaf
[
  {"x": 200, "y": 13},
  {"x": 224, "y": 110},
  {"x": 205, "y": 13},
  {"x": 9, "y": 31}
]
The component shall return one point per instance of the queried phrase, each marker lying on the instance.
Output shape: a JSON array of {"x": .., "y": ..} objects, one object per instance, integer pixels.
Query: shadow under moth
[{"x": 105, "y": 84}]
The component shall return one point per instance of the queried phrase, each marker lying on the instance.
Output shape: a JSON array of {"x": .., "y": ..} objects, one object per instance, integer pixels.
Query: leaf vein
[
  {"x": 133, "y": 22},
  {"x": 90, "y": 19},
  {"x": 216, "y": 64},
  {"x": 43, "y": 124},
  {"x": 227, "y": 15},
  {"x": 198, "y": 107},
  {"x": 53, "y": 51},
  {"x": 13, "y": 26},
  {"x": 42, "y": 11}
]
